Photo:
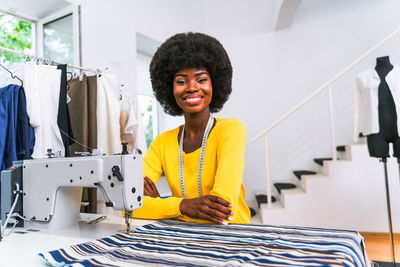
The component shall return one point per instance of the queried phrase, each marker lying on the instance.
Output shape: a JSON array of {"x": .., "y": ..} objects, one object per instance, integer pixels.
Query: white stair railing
[
  {"x": 328, "y": 85},
  {"x": 332, "y": 124}
]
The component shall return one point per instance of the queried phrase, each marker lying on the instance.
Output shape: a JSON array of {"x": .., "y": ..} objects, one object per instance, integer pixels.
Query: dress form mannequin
[{"x": 378, "y": 144}]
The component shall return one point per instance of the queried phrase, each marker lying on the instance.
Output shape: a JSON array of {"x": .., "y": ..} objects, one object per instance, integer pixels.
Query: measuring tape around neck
[{"x": 203, "y": 149}]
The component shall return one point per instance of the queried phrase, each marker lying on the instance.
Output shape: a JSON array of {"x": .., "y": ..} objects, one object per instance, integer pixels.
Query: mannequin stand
[
  {"x": 381, "y": 263},
  {"x": 398, "y": 163}
]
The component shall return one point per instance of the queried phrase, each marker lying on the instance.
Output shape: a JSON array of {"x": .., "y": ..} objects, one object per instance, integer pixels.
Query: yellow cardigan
[{"x": 222, "y": 172}]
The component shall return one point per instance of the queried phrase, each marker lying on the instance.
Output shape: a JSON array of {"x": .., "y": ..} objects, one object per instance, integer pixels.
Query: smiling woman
[{"x": 203, "y": 160}]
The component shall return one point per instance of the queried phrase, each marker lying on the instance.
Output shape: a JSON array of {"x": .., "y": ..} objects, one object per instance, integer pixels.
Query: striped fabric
[{"x": 175, "y": 243}]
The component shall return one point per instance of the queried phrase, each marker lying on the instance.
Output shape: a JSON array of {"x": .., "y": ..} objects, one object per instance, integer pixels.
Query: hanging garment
[
  {"x": 108, "y": 113},
  {"x": 17, "y": 70},
  {"x": 63, "y": 119},
  {"x": 82, "y": 110},
  {"x": 173, "y": 243},
  {"x": 108, "y": 128},
  {"x": 25, "y": 132},
  {"x": 42, "y": 88},
  {"x": 132, "y": 130},
  {"x": 16, "y": 135},
  {"x": 367, "y": 102}
]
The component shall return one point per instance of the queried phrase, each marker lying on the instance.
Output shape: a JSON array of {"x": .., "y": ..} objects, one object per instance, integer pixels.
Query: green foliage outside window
[
  {"x": 148, "y": 114},
  {"x": 15, "y": 34},
  {"x": 149, "y": 128}
]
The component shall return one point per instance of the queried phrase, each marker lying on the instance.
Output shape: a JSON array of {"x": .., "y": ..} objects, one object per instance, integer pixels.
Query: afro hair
[{"x": 188, "y": 50}]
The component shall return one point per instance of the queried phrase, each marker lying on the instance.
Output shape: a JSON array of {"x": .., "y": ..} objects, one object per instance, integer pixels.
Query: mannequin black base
[{"x": 384, "y": 264}]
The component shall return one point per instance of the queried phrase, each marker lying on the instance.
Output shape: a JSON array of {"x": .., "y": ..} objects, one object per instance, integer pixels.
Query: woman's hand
[
  {"x": 211, "y": 208},
  {"x": 150, "y": 188}
]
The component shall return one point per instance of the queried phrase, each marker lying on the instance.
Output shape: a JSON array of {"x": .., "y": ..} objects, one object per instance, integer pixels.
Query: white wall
[{"x": 273, "y": 71}]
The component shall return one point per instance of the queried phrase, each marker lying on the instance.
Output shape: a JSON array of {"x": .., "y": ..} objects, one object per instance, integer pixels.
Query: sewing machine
[{"x": 50, "y": 189}]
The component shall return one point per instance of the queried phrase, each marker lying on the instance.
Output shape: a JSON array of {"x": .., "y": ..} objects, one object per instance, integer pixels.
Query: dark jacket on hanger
[
  {"x": 63, "y": 119},
  {"x": 16, "y": 134}
]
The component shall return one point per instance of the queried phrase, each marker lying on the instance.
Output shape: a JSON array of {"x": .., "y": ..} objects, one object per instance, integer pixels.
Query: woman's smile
[{"x": 193, "y": 99}]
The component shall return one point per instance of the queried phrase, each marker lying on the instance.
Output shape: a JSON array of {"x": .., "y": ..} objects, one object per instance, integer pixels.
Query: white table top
[{"x": 19, "y": 249}]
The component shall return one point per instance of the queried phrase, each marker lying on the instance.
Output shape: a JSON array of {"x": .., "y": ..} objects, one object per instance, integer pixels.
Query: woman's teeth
[{"x": 192, "y": 100}]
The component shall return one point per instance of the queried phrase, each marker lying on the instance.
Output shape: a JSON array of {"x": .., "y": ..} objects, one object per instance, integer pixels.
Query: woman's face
[{"x": 193, "y": 89}]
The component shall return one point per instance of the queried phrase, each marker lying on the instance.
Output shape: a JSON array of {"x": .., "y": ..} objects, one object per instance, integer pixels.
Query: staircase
[
  {"x": 345, "y": 194},
  {"x": 283, "y": 188},
  {"x": 314, "y": 126}
]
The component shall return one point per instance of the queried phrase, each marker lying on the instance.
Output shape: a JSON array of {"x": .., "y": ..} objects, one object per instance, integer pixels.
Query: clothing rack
[{"x": 97, "y": 71}]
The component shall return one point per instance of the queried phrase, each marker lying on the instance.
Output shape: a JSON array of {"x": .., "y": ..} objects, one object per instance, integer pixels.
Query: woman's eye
[
  {"x": 180, "y": 82},
  {"x": 202, "y": 80}
]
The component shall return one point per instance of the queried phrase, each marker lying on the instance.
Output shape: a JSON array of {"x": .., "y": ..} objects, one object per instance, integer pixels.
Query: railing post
[
  {"x": 268, "y": 176},
  {"x": 332, "y": 125}
]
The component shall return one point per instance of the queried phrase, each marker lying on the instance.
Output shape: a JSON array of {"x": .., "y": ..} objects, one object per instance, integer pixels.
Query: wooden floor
[{"x": 378, "y": 247}]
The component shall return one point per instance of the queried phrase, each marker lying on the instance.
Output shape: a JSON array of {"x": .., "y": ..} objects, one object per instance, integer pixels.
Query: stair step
[
  {"x": 303, "y": 172},
  {"x": 320, "y": 161},
  {"x": 262, "y": 199},
  {"x": 341, "y": 148},
  {"x": 281, "y": 186},
  {"x": 252, "y": 212}
]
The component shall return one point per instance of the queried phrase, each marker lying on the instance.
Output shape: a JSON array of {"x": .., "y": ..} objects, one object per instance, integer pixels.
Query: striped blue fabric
[{"x": 175, "y": 243}]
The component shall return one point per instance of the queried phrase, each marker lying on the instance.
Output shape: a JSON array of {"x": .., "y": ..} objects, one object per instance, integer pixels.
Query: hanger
[
  {"x": 12, "y": 75},
  {"x": 120, "y": 90},
  {"x": 40, "y": 61},
  {"x": 70, "y": 75},
  {"x": 99, "y": 71}
]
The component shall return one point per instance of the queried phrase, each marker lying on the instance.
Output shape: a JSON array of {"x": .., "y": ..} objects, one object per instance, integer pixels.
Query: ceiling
[{"x": 32, "y": 10}]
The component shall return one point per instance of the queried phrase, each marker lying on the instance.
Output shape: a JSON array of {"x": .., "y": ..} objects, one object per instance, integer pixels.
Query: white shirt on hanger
[
  {"x": 108, "y": 112},
  {"x": 367, "y": 100},
  {"x": 42, "y": 89},
  {"x": 133, "y": 130}
]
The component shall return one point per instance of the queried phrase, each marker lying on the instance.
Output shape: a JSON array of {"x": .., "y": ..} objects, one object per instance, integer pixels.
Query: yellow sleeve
[
  {"x": 230, "y": 162},
  {"x": 152, "y": 162},
  {"x": 156, "y": 208}
]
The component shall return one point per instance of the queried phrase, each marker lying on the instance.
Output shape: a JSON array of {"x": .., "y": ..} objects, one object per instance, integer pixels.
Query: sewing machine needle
[{"x": 127, "y": 217}]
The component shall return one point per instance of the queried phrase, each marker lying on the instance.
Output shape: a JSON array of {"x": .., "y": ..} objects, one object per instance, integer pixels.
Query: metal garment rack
[{"x": 97, "y": 71}]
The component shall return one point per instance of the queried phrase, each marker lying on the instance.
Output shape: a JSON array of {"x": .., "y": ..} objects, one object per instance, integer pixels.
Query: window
[
  {"x": 58, "y": 40},
  {"x": 149, "y": 117},
  {"x": 58, "y": 36},
  {"x": 148, "y": 106},
  {"x": 15, "y": 34},
  {"x": 147, "y": 103}
]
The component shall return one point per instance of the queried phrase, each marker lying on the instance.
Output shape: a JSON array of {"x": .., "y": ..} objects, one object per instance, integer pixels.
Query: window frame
[{"x": 73, "y": 10}]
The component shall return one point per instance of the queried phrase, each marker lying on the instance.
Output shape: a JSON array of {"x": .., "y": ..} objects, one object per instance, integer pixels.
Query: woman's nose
[{"x": 192, "y": 86}]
